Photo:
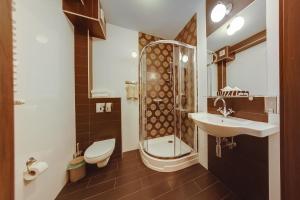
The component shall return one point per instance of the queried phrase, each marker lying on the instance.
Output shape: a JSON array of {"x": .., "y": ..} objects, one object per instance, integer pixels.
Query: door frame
[
  {"x": 289, "y": 99},
  {"x": 6, "y": 103}
]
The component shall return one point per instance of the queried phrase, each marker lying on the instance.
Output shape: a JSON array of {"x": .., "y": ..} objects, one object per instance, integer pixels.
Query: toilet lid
[{"x": 99, "y": 148}]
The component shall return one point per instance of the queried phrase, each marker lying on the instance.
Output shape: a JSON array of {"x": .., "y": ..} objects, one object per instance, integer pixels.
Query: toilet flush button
[{"x": 100, "y": 107}]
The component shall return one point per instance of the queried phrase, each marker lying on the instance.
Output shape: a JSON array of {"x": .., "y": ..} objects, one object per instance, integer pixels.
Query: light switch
[{"x": 100, "y": 107}]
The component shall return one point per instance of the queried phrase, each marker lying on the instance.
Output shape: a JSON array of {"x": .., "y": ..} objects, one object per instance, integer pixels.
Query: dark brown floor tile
[
  {"x": 214, "y": 192},
  {"x": 73, "y": 187},
  {"x": 124, "y": 168},
  {"x": 130, "y": 154},
  {"x": 206, "y": 180},
  {"x": 129, "y": 178},
  {"x": 129, "y": 164},
  {"x": 93, "y": 170},
  {"x": 102, "y": 178},
  {"x": 231, "y": 196},
  {"x": 149, "y": 192},
  {"x": 180, "y": 193},
  {"x": 157, "y": 178},
  {"x": 88, "y": 192},
  {"x": 135, "y": 175},
  {"x": 185, "y": 177},
  {"x": 174, "y": 178},
  {"x": 123, "y": 174},
  {"x": 118, "y": 192}
]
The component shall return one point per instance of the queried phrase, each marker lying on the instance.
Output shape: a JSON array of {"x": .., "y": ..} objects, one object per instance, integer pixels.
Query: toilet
[{"x": 99, "y": 152}]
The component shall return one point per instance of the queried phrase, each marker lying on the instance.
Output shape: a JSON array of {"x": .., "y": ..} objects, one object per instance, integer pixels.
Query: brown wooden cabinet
[{"x": 86, "y": 13}]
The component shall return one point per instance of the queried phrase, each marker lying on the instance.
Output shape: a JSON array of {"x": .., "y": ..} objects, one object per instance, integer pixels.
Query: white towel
[{"x": 132, "y": 91}]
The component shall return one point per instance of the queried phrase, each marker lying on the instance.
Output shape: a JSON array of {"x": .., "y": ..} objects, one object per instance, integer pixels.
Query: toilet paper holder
[
  {"x": 33, "y": 169},
  {"x": 29, "y": 162}
]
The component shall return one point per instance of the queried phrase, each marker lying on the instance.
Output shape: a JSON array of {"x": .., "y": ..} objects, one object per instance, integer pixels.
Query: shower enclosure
[{"x": 168, "y": 92}]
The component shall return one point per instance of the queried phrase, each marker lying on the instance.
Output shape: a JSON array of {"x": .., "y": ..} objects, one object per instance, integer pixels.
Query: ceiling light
[
  {"x": 220, "y": 11},
  {"x": 134, "y": 54},
  {"x": 236, "y": 25}
]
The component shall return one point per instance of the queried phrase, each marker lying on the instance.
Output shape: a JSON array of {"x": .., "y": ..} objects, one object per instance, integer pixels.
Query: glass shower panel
[
  {"x": 176, "y": 75},
  {"x": 186, "y": 98},
  {"x": 143, "y": 105}
]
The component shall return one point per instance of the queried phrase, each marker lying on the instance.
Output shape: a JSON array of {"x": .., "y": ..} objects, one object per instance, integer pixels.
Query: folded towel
[
  {"x": 132, "y": 91},
  {"x": 100, "y": 93}
]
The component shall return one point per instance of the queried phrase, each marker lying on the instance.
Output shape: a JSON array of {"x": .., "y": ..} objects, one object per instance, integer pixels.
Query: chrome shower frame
[{"x": 142, "y": 99}]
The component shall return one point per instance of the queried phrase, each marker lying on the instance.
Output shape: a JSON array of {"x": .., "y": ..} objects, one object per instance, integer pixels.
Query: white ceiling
[
  {"x": 255, "y": 21},
  {"x": 163, "y": 18}
]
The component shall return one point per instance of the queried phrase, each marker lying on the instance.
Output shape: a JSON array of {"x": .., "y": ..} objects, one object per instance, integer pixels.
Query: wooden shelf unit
[{"x": 86, "y": 15}]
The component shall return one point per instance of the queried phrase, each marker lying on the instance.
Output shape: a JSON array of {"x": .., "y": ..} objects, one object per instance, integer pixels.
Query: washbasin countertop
[{"x": 220, "y": 126}]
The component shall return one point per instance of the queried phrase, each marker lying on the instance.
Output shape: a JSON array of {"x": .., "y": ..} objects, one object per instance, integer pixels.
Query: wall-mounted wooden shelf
[
  {"x": 86, "y": 15},
  {"x": 224, "y": 55}
]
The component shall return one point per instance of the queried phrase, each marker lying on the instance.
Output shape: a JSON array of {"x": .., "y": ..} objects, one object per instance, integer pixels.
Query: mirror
[{"x": 237, "y": 55}]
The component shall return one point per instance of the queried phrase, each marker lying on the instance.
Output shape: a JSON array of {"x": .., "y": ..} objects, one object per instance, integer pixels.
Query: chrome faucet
[{"x": 223, "y": 110}]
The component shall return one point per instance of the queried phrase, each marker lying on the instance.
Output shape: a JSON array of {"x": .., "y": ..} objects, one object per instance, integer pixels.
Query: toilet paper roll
[{"x": 35, "y": 170}]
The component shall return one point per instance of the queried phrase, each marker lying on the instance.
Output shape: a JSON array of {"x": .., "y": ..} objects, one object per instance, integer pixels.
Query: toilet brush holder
[{"x": 77, "y": 169}]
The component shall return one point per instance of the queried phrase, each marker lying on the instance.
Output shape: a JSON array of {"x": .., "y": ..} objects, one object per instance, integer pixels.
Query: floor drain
[{"x": 170, "y": 141}]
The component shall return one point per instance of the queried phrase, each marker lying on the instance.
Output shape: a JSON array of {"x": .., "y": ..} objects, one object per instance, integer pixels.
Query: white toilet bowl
[{"x": 100, "y": 152}]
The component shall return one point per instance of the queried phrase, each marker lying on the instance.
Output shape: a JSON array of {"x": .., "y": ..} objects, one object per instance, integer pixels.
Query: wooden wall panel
[
  {"x": 245, "y": 109},
  {"x": 290, "y": 98},
  {"x": 243, "y": 169},
  {"x": 249, "y": 42},
  {"x": 82, "y": 101},
  {"x": 106, "y": 125},
  {"x": 222, "y": 81},
  {"x": 6, "y": 103}
]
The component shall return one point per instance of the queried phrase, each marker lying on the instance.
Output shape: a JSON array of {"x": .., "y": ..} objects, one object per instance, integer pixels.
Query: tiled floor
[{"x": 128, "y": 178}]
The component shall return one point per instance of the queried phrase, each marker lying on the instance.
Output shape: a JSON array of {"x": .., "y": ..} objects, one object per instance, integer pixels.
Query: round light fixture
[
  {"x": 134, "y": 54},
  {"x": 185, "y": 58},
  {"x": 220, "y": 11},
  {"x": 236, "y": 25}
]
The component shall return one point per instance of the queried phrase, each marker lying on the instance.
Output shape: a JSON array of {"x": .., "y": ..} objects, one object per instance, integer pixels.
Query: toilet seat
[{"x": 99, "y": 151}]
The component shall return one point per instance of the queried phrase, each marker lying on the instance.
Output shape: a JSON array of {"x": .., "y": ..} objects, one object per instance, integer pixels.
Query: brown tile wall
[
  {"x": 106, "y": 125},
  {"x": 252, "y": 110},
  {"x": 92, "y": 126},
  {"x": 243, "y": 169},
  {"x": 81, "y": 88},
  {"x": 160, "y": 122},
  {"x": 188, "y": 34}
]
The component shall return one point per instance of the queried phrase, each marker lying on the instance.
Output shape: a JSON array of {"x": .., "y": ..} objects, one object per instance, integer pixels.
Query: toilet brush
[{"x": 78, "y": 152}]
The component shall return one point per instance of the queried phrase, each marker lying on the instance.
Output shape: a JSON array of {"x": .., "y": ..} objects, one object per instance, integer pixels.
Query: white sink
[{"x": 219, "y": 126}]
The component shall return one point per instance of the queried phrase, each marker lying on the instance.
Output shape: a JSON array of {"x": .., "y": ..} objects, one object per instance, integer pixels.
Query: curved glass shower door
[{"x": 168, "y": 92}]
